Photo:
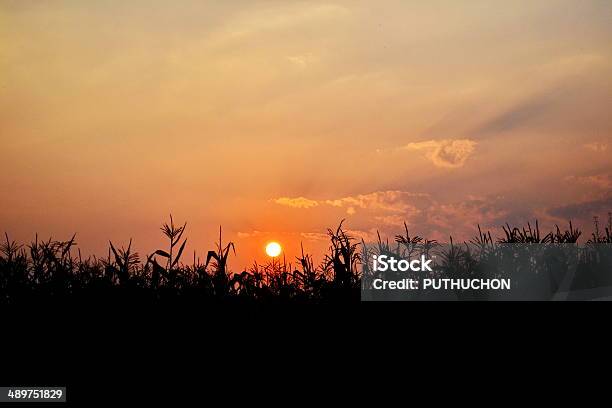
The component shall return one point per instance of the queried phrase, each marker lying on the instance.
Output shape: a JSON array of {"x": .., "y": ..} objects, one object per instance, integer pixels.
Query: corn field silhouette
[{"x": 48, "y": 270}]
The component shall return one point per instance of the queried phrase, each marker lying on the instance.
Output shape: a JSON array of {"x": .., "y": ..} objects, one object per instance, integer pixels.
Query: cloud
[
  {"x": 263, "y": 21},
  {"x": 387, "y": 210},
  {"x": 583, "y": 209},
  {"x": 297, "y": 202},
  {"x": 522, "y": 113},
  {"x": 390, "y": 219},
  {"x": 390, "y": 208},
  {"x": 303, "y": 60},
  {"x": 393, "y": 207},
  {"x": 447, "y": 153},
  {"x": 254, "y": 233},
  {"x": 314, "y": 236},
  {"x": 596, "y": 147},
  {"x": 601, "y": 181},
  {"x": 390, "y": 200},
  {"x": 467, "y": 214}
]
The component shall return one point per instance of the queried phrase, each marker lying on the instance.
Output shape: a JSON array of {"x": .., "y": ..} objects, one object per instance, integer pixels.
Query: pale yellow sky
[{"x": 279, "y": 118}]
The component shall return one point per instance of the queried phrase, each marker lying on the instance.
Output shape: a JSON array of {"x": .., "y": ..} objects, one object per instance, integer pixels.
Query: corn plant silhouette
[
  {"x": 220, "y": 278},
  {"x": 170, "y": 272},
  {"x": 343, "y": 258},
  {"x": 597, "y": 236},
  {"x": 174, "y": 235},
  {"x": 125, "y": 262},
  {"x": 407, "y": 245},
  {"x": 51, "y": 270}
]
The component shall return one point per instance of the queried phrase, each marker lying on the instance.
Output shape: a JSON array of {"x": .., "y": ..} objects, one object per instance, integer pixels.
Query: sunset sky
[{"x": 277, "y": 119}]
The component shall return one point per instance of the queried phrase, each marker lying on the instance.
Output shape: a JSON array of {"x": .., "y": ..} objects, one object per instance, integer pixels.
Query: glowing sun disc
[{"x": 273, "y": 249}]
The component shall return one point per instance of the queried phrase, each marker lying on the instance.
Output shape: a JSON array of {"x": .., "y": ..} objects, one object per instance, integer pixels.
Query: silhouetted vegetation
[
  {"x": 540, "y": 265},
  {"x": 51, "y": 269}
]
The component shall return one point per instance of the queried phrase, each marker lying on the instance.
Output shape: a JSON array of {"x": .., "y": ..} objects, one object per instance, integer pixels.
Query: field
[{"x": 55, "y": 270}]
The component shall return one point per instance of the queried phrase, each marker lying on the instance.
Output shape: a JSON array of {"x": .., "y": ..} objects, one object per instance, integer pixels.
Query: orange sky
[{"x": 277, "y": 119}]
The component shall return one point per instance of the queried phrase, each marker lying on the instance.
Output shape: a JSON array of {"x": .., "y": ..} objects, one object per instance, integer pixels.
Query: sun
[{"x": 273, "y": 249}]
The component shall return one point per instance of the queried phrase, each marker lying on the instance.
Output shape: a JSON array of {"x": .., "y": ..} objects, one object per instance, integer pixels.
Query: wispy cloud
[
  {"x": 249, "y": 234},
  {"x": 303, "y": 60},
  {"x": 270, "y": 20},
  {"x": 583, "y": 209},
  {"x": 522, "y": 113},
  {"x": 596, "y": 147},
  {"x": 447, "y": 153},
  {"x": 392, "y": 200},
  {"x": 297, "y": 202},
  {"x": 601, "y": 181},
  {"x": 393, "y": 219},
  {"x": 314, "y": 236},
  {"x": 386, "y": 210}
]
